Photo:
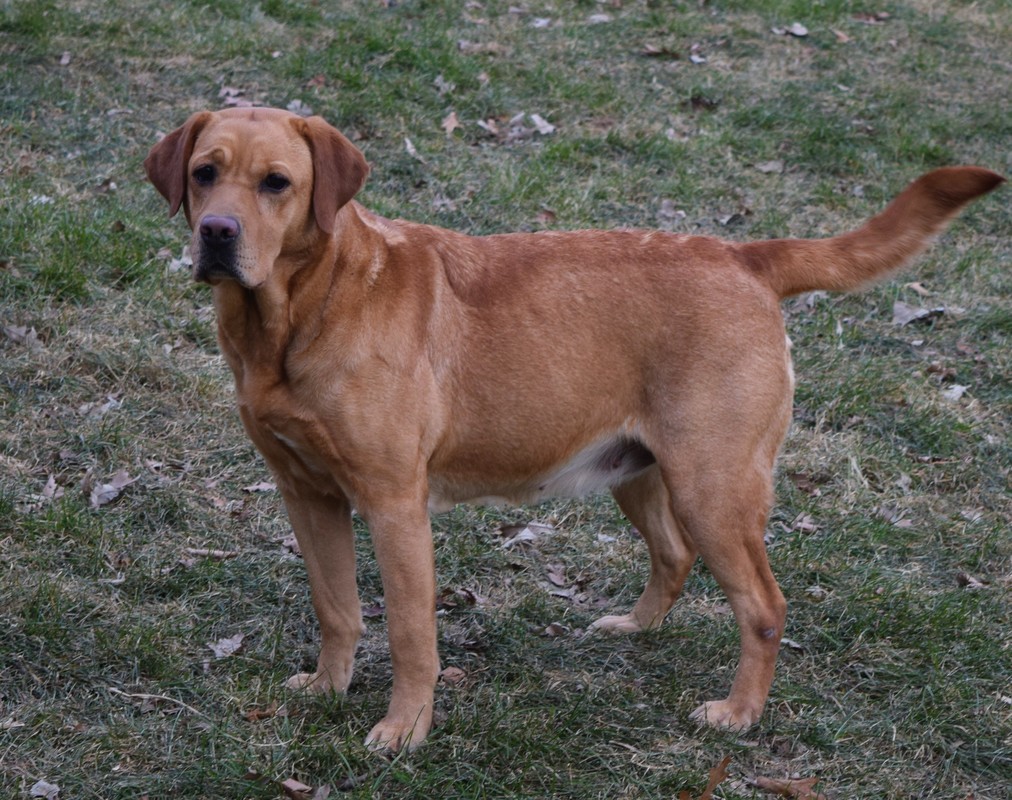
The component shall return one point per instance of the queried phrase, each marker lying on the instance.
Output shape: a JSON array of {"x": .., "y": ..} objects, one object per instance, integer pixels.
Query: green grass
[{"x": 902, "y": 681}]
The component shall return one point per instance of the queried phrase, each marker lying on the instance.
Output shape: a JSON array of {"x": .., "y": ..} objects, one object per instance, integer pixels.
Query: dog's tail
[{"x": 882, "y": 245}]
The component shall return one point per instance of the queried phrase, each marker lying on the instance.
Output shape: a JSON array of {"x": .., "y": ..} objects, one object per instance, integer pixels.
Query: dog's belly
[{"x": 598, "y": 467}]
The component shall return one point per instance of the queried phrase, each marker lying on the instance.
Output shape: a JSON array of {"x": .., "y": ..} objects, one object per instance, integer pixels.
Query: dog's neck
[{"x": 259, "y": 328}]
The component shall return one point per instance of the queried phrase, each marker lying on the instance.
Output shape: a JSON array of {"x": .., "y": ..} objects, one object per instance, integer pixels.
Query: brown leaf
[
  {"x": 452, "y": 676},
  {"x": 296, "y": 790},
  {"x": 800, "y": 788},
  {"x": 717, "y": 775},
  {"x": 653, "y": 51},
  {"x": 271, "y": 711},
  {"x": 450, "y": 123},
  {"x": 557, "y": 574}
]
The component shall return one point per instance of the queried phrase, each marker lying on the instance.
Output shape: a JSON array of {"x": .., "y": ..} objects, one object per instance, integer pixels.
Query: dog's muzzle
[{"x": 219, "y": 237}]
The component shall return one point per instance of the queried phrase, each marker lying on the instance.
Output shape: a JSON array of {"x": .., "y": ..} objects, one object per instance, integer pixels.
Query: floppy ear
[
  {"x": 167, "y": 162},
  {"x": 339, "y": 170}
]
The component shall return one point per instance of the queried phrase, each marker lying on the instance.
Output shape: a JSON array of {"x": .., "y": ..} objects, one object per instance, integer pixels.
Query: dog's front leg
[
  {"x": 322, "y": 525},
  {"x": 402, "y": 538}
]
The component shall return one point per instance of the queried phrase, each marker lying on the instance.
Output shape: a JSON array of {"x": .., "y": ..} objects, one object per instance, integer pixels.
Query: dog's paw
[
  {"x": 722, "y": 714},
  {"x": 393, "y": 734},
  {"x": 313, "y": 683},
  {"x": 617, "y": 624}
]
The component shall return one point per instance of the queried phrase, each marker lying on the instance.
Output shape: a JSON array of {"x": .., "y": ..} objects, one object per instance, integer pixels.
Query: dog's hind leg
[
  {"x": 724, "y": 512},
  {"x": 647, "y": 504},
  {"x": 322, "y": 525}
]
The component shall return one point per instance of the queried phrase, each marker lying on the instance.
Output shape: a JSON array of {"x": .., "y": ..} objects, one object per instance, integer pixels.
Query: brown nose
[{"x": 216, "y": 230}]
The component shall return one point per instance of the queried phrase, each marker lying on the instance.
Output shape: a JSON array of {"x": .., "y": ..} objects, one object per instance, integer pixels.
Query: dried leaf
[
  {"x": 770, "y": 166},
  {"x": 800, "y": 788},
  {"x": 544, "y": 127},
  {"x": 104, "y": 493},
  {"x": 223, "y": 648},
  {"x": 450, "y": 123},
  {"x": 653, "y": 51},
  {"x": 50, "y": 791},
  {"x": 300, "y": 108},
  {"x": 261, "y": 486},
  {"x": 794, "y": 29},
  {"x": 599, "y": 19},
  {"x": 557, "y": 574},
  {"x": 555, "y": 629},
  {"x": 968, "y": 581},
  {"x": 271, "y": 711},
  {"x": 717, "y": 776},
  {"x": 521, "y": 534},
  {"x": 296, "y": 790},
  {"x": 804, "y": 523},
  {"x": 452, "y": 676},
  {"x": 954, "y": 393},
  {"x": 904, "y": 313},
  {"x": 841, "y": 37}
]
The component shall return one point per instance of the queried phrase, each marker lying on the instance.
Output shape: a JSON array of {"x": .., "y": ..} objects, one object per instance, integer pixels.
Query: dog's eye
[
  {"x": 276, "y": 183},
  {"x": 204, "y": 175}
]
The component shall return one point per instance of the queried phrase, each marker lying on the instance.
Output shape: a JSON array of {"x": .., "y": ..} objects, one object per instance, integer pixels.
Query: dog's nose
[{"x": 219, "y": 230}]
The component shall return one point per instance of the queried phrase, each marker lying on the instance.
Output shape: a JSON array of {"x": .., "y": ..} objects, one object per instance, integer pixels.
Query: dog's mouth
[{"x": 212, "y": 268}]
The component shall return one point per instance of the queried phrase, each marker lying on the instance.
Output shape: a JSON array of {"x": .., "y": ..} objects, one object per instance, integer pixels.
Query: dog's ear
[
  {"x": 339, "y": 170},
  {"x": 167, "y": 162}
]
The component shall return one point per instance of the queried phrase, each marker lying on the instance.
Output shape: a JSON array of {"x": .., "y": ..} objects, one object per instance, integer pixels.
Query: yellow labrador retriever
[{"x": 398, "y": 368}]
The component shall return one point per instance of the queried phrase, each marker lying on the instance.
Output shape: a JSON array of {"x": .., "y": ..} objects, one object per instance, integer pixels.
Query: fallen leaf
[
  {"x": 544, "y": 127},
  {"x": 409, "y": 148},
  {"x": 65, "y": 58},
  {"x": 790, "y": 644},
  {"x": 520, "y": 534},
  {"x": 904, "y": 313},
  {"x": 223, "y": 648},
  {"x": 452, "y": 676},
  {"x": 800, "y": 788},
  {"x": 296, "y": 790},
  {"x": 50, "y": 791},
  {"x": 872, "y": 19},
  {"x": 967, "y": 581},
  {"x": 257, "y": 714},
  {"x": 668, "y": 211},
  {"x": 443, "y": 86},
  {"x": 261, "y": 486},
  {"x": 653, "y": 51},
  {"x": 794, "y": 29},
  {"x": 599, "y": 19},
  {"x": 450, "y": 123},
  {"x": 954, "y": 393},
  {"x": 557, "y": 574},
  {"x": 804, "y": 523},
  {"x": 841, "y": 37},
  {"x": 480, "y": 48},
  {"x": 104, "y": 493},
  {"x": 300, "y": 108},
  {"x": 770, "y": 166},
  {"x": 23, "y": 335},
  {"x": 555, "y": 629},
  {"x": 717, "y": 776},
  {"x": 373, "y": 611}
]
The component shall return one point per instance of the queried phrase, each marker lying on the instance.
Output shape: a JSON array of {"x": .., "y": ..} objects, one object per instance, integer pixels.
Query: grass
[{"x": 893, "y": 502}]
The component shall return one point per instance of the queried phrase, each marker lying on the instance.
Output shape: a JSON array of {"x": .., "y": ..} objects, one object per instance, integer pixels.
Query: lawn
[{"x": 151, "y": 604}]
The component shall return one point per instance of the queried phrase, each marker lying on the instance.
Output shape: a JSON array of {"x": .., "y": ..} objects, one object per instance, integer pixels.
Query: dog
[{"x": 397, "y": 369}]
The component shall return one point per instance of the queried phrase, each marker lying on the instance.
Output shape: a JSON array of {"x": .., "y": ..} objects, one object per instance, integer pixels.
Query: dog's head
[{"x": 254, "y": 183}]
